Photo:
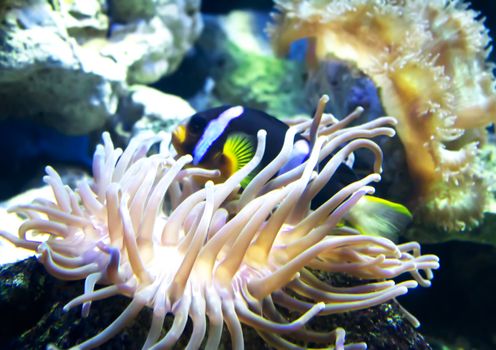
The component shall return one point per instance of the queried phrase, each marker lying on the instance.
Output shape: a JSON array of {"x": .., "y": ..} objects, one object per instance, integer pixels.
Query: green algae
[{"x": 262, "y": 82}]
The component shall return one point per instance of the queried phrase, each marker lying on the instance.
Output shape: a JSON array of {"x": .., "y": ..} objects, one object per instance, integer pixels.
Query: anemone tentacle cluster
[
  {"x": 429, "y": 60},
  {"x": 145, "y": 229}
]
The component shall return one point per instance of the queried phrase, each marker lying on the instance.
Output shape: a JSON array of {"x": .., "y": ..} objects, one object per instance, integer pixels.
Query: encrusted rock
[
  {"x": 147, "y": 109},
  {"x": 67, "y": 63},
  {"x": 27, "y": 285}
]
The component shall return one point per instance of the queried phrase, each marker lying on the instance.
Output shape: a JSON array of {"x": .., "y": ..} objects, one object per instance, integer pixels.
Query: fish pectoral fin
[
  {"x": 238, "y": 151},
  {"x": 379, "y": 217}
]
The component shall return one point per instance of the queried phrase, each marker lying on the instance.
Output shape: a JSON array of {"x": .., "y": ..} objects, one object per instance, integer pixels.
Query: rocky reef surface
[
  {"x": 26, "y": 289},
  {"x": 67, "y": 64}
]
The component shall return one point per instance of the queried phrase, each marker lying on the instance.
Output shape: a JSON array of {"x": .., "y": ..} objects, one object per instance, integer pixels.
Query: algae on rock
[{"x": 244, "y": 71}]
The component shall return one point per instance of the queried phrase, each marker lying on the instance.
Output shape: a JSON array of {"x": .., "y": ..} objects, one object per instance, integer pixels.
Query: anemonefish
[{"x": 224, "y": 138}]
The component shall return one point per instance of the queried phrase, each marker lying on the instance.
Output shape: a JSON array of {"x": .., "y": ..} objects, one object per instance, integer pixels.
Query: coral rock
[
  {"x": 429, "y": 60},
  {"x": 67, "y": 63}
]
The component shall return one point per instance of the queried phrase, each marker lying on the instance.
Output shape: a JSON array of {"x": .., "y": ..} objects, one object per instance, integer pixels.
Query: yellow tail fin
[{"x": 379, "y": 217}]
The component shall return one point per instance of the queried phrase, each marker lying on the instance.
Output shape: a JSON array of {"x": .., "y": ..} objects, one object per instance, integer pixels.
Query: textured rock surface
[
  {"x": 67, "y": 63},
  {"x": 157, "y": 111},
  {"x": 26, "y": 286},
  {"x": 150, "y": 37}
]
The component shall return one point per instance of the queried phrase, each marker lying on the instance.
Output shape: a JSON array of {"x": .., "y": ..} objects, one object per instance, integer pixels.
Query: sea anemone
[
  {"x": 429, "y": 61},
  {"x": 147, "y": 230}
]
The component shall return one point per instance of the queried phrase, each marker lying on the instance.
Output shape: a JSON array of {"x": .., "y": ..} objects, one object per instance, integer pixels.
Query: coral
[
  {"x": 429, "y": 60},
  {"x": 148, "y": 231}
]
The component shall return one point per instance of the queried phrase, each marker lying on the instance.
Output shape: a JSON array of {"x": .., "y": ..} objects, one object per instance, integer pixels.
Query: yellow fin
[
  {"x": 238, "y": 151},
  {"x": 379, "y": 217}
]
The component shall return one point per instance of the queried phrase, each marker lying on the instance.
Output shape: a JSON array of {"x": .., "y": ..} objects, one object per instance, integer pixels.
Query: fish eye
[{"x": 196, "y": 124}]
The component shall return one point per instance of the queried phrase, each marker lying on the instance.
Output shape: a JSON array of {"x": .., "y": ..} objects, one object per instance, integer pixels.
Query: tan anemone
[
  {"x": 429, "y": 61},
  {"x": 146, "y": 230}
]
